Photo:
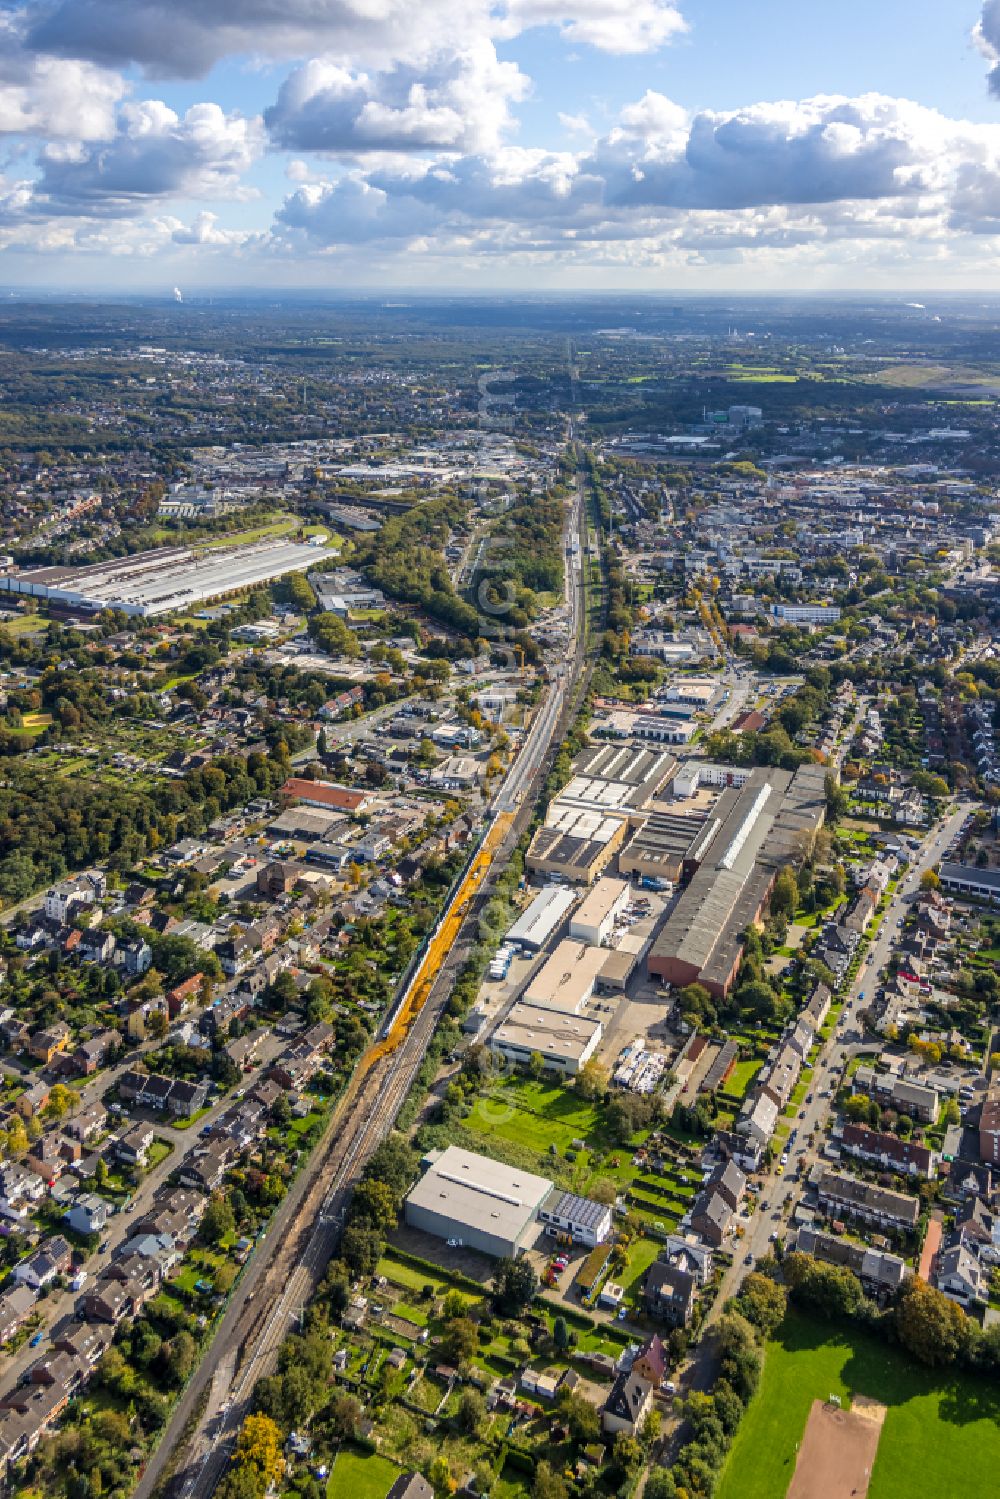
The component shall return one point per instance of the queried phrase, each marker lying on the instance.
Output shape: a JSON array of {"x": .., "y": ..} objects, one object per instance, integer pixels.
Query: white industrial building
[
  {"x": 537, "y": 922},
  {"x": 479, "y": 1202},
  {"x": 565, "y": 981},
  {"x": 595, "y": 921},
  {"x": 564, "y": 1042},
  {"x": 153, "y": 583}
]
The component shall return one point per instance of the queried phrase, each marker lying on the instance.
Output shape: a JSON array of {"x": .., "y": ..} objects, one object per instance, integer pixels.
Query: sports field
[{"x": 941, "y": 1434}]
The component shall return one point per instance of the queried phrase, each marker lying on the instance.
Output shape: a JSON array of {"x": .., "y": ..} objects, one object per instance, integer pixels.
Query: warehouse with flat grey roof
[
  {"x": 535, "y": 925},
  {"x": 484, "y": 1204},
  {"x": 153, "y": 583}
]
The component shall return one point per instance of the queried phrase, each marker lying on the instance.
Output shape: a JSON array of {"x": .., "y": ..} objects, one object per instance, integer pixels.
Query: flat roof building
[
  {"x": 566, "y": 979},
  {"x": 482, "y": 1203},
  {"x": 564, "y": 1042},
  {"x": 595, "y": 920},
  {"x": 750, "y": 833},
  {"x": 157, "y": 582}
]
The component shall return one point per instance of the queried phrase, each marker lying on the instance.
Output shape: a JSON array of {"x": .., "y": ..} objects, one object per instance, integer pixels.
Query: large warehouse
[
  {"x": 483, "y": 1204},
  {"x": 752, "y": 832},
  {"x": 153, "y": 583}
]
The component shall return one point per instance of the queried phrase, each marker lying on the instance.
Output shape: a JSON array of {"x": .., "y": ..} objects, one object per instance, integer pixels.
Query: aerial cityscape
[{"x": 500, "y": 791}]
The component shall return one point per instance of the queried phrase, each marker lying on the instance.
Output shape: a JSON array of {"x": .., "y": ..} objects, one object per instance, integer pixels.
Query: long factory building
[
  {"x": 752, "y": 831},
  {"x": 161, "y": 581}
]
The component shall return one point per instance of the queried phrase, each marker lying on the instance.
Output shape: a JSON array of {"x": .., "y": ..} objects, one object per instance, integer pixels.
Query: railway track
[{"x": 303, "y": 1234}]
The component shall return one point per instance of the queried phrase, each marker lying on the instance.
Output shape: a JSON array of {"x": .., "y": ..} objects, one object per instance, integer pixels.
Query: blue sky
[{"x": 661, "y": 144}]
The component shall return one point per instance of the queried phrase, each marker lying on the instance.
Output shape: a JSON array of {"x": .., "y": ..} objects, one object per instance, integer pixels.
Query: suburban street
[{"x": 769, "y": 1217}]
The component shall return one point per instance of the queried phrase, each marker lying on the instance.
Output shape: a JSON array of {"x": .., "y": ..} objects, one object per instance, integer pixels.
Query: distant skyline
[{"x": 546, "y": 145}]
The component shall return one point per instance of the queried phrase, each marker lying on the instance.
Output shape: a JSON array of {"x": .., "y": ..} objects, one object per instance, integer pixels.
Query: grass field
[
  {"x": 537, "y": 1114},
  {"x": 359, "y": 1475},
  {"x": 941, "y": 1433},
  {"x": 24, "y": 624}
]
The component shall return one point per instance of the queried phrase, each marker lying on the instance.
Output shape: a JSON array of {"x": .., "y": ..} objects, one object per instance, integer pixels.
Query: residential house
[
  {"x": 88, "y": 1214},
  {"x": 627, "y": 1406},
  {"x": 960, "y": 1275},
  {"x": 134, "y": 1146},
  {"x": 577, "y": 1219},
  {"x": 48, "y": 1043},
  {"x": 651, "y": 1362},
  {"x": 88, "y": 1123},
  {"x": 889, "y": 1152},
  {"x": 881, "y": 1274},
  {"x": 711, "y": 1216},
  {"x": 847, "y": 1196},
  {"x": 52, "y": 1258},
  {"x": 669, "y": 1293},
  {"x": 16, "y": 1306}
]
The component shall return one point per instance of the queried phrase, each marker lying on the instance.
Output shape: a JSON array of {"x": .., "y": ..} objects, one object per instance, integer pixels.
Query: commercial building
[
  {"x": 595, "y": 921},
  {"x": 575, "y": 845},
  {"x": 326, "y": 795},
  {"x": 154, "y": 583},
  {"x": 482, "y": 1203},
  {"x": 564, "y": 1042},
  {"x": 535, "y": 925},
  {"x": 566, "y": 980},
  {"x": 586, "y": 824},
  {"x": 964, "y": 879},
  {"x": 750, "y": 833},
  {"x": 659, "y": 849},
  {"x": 806, "y": 614}
]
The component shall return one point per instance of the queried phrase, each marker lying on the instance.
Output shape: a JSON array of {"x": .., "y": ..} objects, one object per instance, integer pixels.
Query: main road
[{"x": 303, "y": 1233}]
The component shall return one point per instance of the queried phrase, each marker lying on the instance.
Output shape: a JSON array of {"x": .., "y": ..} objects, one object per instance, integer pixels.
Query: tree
[
  {"x": 471, "y": 1412},
  {"x": 930, "y": 880},
  {"x": 548, "y": 1484},
  {"x": 181, "y": 1352},
  {"x": 930, "y": 1326},
  {"x": 219, "y": 1219},
  {"x": 514, "y": 1286},
  {"x": 257, "y": 1462},
  {"x": 832, "y": 1290},
  {"x": 374, "y": 1202},
  {"x": 536, "y": 1064},
  {"x": 560, "y": 1334},
  {"x": 582, "y": 1420},
  {"x": 344, "y": 1413},
  {"x": 362, "y": 1248},
  {"x": 856, "y": 1107},
  {"x": 60, "y": 1101},
  {"x": 785, "y": 894},
  {"x": 592, "y": 1081},
  {"x": 460, "y": 1340},
  {"x": 660, "y": 1484},
  {"x": 440, "y": 1479},
  {"x": 762, "y": 1301}
]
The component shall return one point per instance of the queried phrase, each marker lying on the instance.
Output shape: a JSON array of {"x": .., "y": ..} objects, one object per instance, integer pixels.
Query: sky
[{"x": 471, "y": 145}]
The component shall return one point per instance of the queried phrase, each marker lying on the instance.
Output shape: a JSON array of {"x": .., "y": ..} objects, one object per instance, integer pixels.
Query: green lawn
[
  {"x": 642, "y": 1253},
  {"x": 537, "y": 1115},
  {"x": 743, "y": 1075},
  {"x": 359, "y": 1475},
  {"x": 941, "y": 1434}
]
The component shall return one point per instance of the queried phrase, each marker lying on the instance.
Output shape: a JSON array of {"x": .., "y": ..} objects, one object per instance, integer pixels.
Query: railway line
[{"x": 303, "y": 1233}]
